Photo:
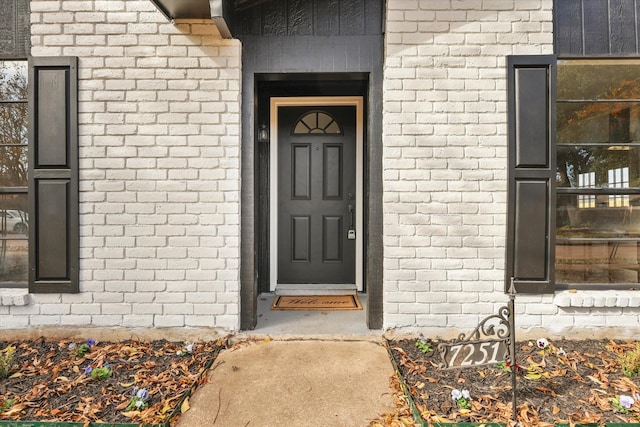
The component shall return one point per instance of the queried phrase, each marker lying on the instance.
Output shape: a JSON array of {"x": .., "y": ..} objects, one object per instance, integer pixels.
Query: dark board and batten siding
[
  {"x": 597, "y": 27},
  {"x": 310, "y": 45},
  {"x": 309, "y": 18},
  {"x": 14, "y": 29}
]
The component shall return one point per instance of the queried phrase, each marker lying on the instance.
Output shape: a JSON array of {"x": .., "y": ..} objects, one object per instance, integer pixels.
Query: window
[
  {"x": 598, "y": 173},
  {"x": 317, "y": 122},
  {"x": 39, "y": 240},
  {"x": 14, "y": 219}
]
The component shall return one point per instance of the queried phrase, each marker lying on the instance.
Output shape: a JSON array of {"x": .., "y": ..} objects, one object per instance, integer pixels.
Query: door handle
[{"x": 351, "y": 233}]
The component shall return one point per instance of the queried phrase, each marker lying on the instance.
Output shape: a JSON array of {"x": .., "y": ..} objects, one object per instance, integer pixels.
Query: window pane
[
  {"x": 598, "y": 79},
  {"x": 317, "y": 122},
  {"x": 14, "y": 228},
  {"x": 13, "y": 145},
  {"x": 13, "y": 80},
  {"x": 591, "y": 261},
  {"x": 597, "y": 166},
  {"x": 595, "y": 216},
  {"x": 13, "y": 166},
  {"x": 597, "y": 241},
  {"x": 598, "y": 122}
]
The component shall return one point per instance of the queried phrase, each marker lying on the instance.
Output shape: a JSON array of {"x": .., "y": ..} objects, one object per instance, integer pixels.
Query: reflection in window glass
[
  {"x": 14, "y": 217},
  {"x": 618, "y": 178},
  {"x": 598, "y": 122},
  {"x": 586, "y": 180},
  {"x": 13, "y": 145},
  {"x": 598, "y": 175},
  {"x": 596, "y": 161}
]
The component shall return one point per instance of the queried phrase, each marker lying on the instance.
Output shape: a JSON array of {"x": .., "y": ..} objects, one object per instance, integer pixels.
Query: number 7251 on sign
[{"x": 476, "y": 353}]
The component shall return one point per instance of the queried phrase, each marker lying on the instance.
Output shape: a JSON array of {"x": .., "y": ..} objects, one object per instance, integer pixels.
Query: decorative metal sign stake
[
  {"x": 512, "y": 348},
  {"x": 492, "y": 342}
]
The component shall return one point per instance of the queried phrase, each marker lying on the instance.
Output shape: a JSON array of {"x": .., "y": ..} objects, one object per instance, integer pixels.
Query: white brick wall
[
  {"x": 160, "y": 169},
  {"x": 159, "y": 151},
  {"x": 445, "y": 156}
]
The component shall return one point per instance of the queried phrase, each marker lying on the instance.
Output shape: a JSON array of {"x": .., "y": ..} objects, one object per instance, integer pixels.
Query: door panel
[
  {"x": 332, "y": 239},
  {"x": 332, "y": 173},
  {"x": 316, "y": 195},
  {"x": 300, "y": 239},
  {"x": 301, "y": 171}
]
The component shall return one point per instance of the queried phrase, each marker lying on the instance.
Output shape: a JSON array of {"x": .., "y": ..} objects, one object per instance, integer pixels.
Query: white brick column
[{"x": 445, "y": 148}]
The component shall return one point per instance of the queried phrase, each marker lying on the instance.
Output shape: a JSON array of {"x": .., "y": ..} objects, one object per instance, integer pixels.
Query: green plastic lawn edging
[
  {"x": 167, "y": 423},
  {"x": 68, "y": 424},
  {"x": 414, "y": 410},
  {"x": 418, "y": 417}
]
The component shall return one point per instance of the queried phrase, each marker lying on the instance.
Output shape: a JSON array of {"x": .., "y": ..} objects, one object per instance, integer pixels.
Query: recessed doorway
[{"x": 316, "y": 195}]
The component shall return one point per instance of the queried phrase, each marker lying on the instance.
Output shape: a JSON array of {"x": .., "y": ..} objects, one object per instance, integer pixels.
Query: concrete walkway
[{"x": 294, "y": 383}]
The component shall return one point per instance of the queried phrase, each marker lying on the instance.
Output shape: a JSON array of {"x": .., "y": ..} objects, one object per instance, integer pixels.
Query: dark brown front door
[{"x": 316, "y": 195}]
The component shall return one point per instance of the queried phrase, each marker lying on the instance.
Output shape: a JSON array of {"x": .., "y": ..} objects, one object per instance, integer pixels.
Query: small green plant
[
  {"x": 101, "y": 373},
  {"x": 462, "y": 398},
  {"x": 8, "y": 403},
  {"x": 6, "y": 361},
  {"x": 82, "y": 349},
  {"x": 506, "y": 367},
  {"x": 424, "y": 344},
  {"x": 630, "y": 362}
]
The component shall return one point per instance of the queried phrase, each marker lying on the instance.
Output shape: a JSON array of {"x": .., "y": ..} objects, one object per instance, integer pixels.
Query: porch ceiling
[{"x": 196, "y": 9}]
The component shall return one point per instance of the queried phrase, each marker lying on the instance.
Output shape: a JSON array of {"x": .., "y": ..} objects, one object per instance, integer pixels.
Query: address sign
[{"x": 488, "y": 344}]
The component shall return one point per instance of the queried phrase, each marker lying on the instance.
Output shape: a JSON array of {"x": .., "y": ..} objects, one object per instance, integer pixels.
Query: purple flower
[
  {"x": 88, "y": 370},
  {"x": 626, "y": 401},
  {"x": 139, "y": 397},
  {"x": 91, "y": 342},
  {"x": 142, "y": 394}
]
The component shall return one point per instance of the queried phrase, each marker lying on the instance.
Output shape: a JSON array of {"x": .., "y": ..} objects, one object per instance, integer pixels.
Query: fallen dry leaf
[{"x": 185, "y": 405}]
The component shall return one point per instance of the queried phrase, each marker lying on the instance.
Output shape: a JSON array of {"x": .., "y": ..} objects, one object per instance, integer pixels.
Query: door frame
[{"x": 313, "y": 101}]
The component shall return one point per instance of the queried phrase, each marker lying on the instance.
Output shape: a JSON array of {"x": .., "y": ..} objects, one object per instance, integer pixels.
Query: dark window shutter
[
  {"x": 53, "y": 175},
  {"x": 531, "y": 202}
]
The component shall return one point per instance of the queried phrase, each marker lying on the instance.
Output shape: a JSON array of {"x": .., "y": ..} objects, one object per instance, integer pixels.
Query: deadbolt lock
[{"x": 351, "y": 234}]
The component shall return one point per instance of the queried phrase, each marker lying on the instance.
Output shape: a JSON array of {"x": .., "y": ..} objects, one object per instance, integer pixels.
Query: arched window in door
[{"x": 317, "y": 122}]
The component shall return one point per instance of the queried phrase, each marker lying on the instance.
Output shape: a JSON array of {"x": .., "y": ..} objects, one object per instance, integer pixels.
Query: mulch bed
[
  {"x": 568, "y": 382},
  {"x": 50, "y": 381}
]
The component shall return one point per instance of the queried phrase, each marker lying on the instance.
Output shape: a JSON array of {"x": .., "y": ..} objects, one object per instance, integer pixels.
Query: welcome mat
[{"x": 324, "y": 302}]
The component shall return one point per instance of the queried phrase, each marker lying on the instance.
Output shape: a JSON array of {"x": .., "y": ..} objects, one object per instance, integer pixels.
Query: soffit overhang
[{"x": 216, "y": 10}]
